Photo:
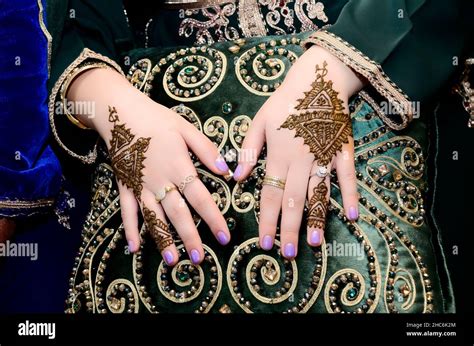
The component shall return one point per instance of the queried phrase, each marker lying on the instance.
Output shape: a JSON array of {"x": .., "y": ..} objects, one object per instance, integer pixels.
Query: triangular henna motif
[
  {"x": 127, "y": 158},
  {"x": 322, "y": 123},
  {"x": 318, "y": 206}
]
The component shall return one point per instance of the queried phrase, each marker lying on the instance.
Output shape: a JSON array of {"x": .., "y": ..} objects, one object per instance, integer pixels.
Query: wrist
[{"x": 347, "y": 81}]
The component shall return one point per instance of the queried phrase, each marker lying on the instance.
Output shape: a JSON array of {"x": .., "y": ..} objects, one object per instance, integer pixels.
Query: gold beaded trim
[
  {"x": 188, "y": 4},
  {"x": 84, "y": 56},
  {"x": 368, "y": 68}
]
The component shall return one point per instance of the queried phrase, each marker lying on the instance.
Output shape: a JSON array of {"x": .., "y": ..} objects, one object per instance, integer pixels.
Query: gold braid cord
[
  {"x": 127, "y": 157},
  {"x": 318, "y": 206},
  {"x": 321, "y": 120},
  {"x": 158, "y": 229}
]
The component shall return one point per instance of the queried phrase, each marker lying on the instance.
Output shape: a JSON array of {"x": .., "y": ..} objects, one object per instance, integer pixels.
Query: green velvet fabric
[{"x": 343, "y": 275}]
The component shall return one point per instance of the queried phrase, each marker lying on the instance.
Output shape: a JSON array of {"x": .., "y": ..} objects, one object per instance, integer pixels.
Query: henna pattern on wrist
[
  {"x": 318, "y": 206},
  {"x": 158, "y": 229},
  {"x": 321, "y": 119},
  {"x": 127, "y": 157}
]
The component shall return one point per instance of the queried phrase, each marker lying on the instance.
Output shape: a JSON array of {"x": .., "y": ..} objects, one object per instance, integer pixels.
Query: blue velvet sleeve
[{"x": 30, "y": 174}]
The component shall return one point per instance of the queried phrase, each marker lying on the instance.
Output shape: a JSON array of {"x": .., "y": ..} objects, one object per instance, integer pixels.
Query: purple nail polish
[
  {"x": 289, "y": 251},
  {"x": 267, "y": 242},
  {"x": 195, "y": 256},
  {"x": 222, "y": 165},
  {"x": 168, "y": 256},
  {"x": 315, "y": 238},
  {"x": 222, "y": 237},
  {"x": 353, "y": 214},
  {"x": 238, "y": 172},
  {"x": 131, "y": 246}
]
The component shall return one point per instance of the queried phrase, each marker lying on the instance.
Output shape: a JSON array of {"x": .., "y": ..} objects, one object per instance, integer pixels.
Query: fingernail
[
  {"x": 222, "y": 165},
  {"x": 195, "y": 256},
  {"x": 353, "y": 213},
  {"x": 315, "y": 238},
  {"x": 222, "y": 237},
  {"x": 267, "y": 242},
  {"x": 168, "y": 256},
  {"x": 238, "y": 172},
  {"x": 131, "y": 246},
  {"x": 289, "y": 250}
]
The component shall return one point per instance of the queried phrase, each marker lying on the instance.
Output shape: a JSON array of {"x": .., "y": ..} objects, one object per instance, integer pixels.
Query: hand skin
[
  {"x": 7, "y": 229},
  {"x": 167, "y": 159},
  {"x": 290, "y": 159}
]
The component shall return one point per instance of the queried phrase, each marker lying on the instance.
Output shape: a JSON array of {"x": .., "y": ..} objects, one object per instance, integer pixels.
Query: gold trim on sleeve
[
  {"x": 371, "y": 70},
  {"x": 47, "y": 35},
  {"x": 466, "y": 91},
  {"x": 84, "y": 56},
  {"x": 17, "y": 204}
]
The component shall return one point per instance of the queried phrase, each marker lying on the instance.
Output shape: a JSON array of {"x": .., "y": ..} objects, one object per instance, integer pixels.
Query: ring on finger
[
  {"x": 274, "y": 181},
  {"x": 162, "y": 193},
  {"x": 321, "y": 172},
  {"x": 187, "y": 180}
]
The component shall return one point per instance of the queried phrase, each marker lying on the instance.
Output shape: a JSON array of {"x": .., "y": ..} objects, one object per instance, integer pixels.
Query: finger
[
  {"x": 318, "y": 197},
  {"x": 129, "y": 211},
  {"x": 345, "y": 168},
  {"x": 155, "y": 222},
  {"x": 251, "y": 148},
  {"x": 199, "y": 198},
  {"x": 179, "y": 215},
  {"x": 270, "y": 204},
  {"x": 205, "y": 150},
  {"x": 294, "y": 199}
]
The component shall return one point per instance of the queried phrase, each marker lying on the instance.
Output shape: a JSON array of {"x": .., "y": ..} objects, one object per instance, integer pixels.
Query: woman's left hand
[{"x": 307, "y": 128}]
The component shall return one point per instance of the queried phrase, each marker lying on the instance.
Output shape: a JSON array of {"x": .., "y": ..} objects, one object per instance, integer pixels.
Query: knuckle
[{"x": 271, "y": 195}]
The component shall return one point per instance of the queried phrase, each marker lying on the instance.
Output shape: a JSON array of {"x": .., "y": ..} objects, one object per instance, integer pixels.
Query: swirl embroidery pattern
[{"x": 321, "y": 120}]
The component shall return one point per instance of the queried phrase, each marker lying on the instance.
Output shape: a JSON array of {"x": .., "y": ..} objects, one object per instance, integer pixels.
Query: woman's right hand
[{"x": 149, "y": 146}]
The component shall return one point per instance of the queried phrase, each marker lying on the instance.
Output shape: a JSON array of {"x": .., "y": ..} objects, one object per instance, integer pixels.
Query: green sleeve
[
  {"x": 83, "y": 31},
  {"x": 417, "y": 42},
  {"x": 99, "y": 25},
  {"x": 407, "y": 50}
]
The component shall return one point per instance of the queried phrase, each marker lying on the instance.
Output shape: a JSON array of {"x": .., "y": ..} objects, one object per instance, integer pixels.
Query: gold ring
[
  {"x": 162, "y": 194},
  {"x": 189, "y": 179},
  {"x": 274, "y": 181}
]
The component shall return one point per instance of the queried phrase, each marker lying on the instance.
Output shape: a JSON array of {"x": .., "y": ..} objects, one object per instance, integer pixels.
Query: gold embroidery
[
  {"x": 46, "y": 33},
  {"x": 158, "y": 229},
  {"x": 251, "y": 19},
  {"x": 318, "y": 206},
  {"x": 315, "y": 10},
  {"x": 261, "y": 69},
  {"x": 116, "y": 287},
  {"x": 22, "y": 204},
  {"x": 370, "y": 70},
  {"x": 127, "y": 157},
  {"x": 189, "y": 280},
  {"x": 321, "y": 120},
  {"x": 217, "y": 20}
]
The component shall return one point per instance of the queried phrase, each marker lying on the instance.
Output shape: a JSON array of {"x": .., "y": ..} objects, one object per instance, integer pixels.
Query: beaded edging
[
  {"x": 84, "y": 56},
  {"x": 368, "y": 68}
]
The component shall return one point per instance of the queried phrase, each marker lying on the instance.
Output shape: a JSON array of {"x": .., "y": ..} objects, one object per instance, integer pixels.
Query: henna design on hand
[
  {"x": 321, "y": 121},
  {"x": 318, "y": 206},
  {"x": 127, "y": 157},
  {"x": 158, "y": 229}
]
